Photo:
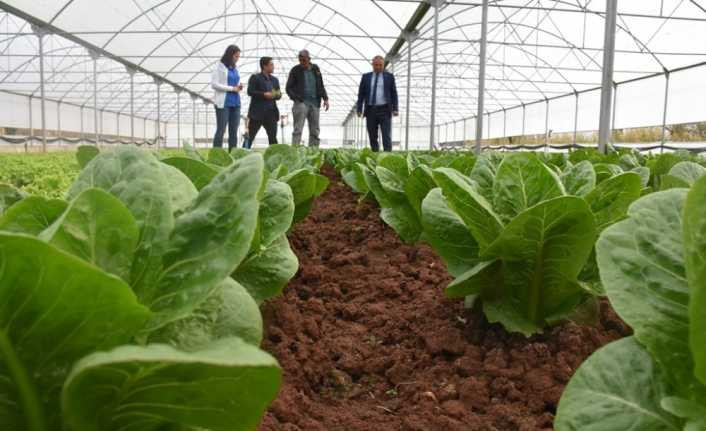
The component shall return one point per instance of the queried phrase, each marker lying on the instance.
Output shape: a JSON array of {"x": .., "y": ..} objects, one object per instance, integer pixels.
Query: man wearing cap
[
  {"x": 305, "y": 87},
  {"x": 377, "y": 101}
]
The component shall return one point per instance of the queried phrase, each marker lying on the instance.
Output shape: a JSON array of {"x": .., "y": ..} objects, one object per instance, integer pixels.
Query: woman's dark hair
[
  {"x": 227, "y": 58},
  {"x": 264, "y": 61}
]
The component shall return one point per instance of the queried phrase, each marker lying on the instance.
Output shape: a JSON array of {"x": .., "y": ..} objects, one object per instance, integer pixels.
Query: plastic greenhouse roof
[{"x": 537, "y": 49}]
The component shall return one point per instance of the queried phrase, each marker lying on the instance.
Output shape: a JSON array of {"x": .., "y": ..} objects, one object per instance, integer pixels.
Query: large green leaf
[
  {"x": 229, "y": 311},
  {"x": 447, "y": 234},
  {"x": 485, "y": 275},
  {"x": 224, "y": 387},
  {"x": 135, "y": 177},
  {"x": 395, "y": 163},
  {"x": 373, "y": 184},
  {"x": 32, "y": 215},
  {"x": 464, "y": 163},
  {"x": 98, "y": 228},
  {"x": 469, "y": 205},
  {"x": 181, "y": 190},
  {"x": 605, "y": 171},
  {"x": 220, "y": 157},
  {"x": 610, "y": 200},
  {"x": 543, "y": 250},
  {"x": 392, "y": 183},
  {"x": 210, "y": 239},
  {"x": 8, "y": 196},
  {"x": 305, "y": 186},
  {"x": 579, "y": 179},
  {"x": 265, "y": 273},
  {"x": 689, "y": 172},
  {"x": 523, "y": 181},
  {"x": 483, "y": 174},
  {"x": 86, "y": 153},
  {"x": 695, "y": 256},
  {"x": 394, "y": 208},
  {"x": 355, "y": 179},
  {"x": 404, "y": 220},
  {"x": 642, "y": 269},
  {"x": 197, "y": 171},
  {"x": 54, "y": 309},
  {"x": 617, "y": 388},
  {"x": 281, "y": 154},
  {"x": 276, "y": 212},
  {"x": 418, "y": 185}
]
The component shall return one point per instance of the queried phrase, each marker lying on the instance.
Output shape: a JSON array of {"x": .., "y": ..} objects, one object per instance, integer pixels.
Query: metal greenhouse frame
[{"x": 493, "y": 69}]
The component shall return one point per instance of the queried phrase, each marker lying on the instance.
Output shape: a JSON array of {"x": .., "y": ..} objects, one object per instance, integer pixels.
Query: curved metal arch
[
  {"x": 508, "y": 21},
  {"x": 520, "y": 73},
  {"x": 387, "y": 14},
  {"x": 34, "y": 57},
  {"x": 618, "y": 25},
  {"x": 251, "y": 13},
  {"x": 574, "y": 6},
  {"x": 520, "y": 47}
]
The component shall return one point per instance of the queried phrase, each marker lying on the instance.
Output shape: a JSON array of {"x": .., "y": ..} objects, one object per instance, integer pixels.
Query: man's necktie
[{"x": 375, "y": 90}]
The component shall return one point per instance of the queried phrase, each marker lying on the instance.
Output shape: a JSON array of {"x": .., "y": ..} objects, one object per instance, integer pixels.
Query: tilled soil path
[{"x": 367, "y": 340}]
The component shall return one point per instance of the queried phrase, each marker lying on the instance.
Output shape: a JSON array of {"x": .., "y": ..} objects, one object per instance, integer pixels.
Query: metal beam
[
  {"x": 664, "y": 112},
  {"x": 607, "y": 79},
  {"x": 436, "y": 4},
  {"x": 481, "y": 77}
]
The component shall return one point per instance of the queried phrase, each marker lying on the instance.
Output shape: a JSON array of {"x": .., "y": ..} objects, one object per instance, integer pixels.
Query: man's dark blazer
[
  {"x": 364, "y": 92},
  {"x": 257, "y": 86}
]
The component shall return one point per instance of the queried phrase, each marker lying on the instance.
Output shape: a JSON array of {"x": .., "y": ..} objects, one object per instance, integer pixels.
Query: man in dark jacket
[
  {"x": 305, "y": 87},
  {"x": 264, "y": 91},
  {"x": 377, "y": 100}
]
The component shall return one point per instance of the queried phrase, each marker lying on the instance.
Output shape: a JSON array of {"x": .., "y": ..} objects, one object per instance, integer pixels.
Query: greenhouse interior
[{"x": 353, "y": 215}]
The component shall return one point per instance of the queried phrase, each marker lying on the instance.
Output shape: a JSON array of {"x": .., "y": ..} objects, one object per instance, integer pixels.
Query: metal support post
[
  {"x": 607, "y": 79},
  {"x": 481, "y": 75},
  {"x": 158, "y": 83},
  {"x": 30, "y": 135},
  {"x": 94, "y": 56},
  {"x": 41, "y": 32},
  {"x": 410, "y": 37},
  {"x": 178, "y": 93},
  {"x": 131, "y": 72},
  {"x": 58, "y": 122},
  {"x": 664, "y": 111},
  {"x": 576, "y": 116},
  {"x": 436, "y": 4},
  {"x": 546, "y": 125},
  {"x": 193, "y": 119}
]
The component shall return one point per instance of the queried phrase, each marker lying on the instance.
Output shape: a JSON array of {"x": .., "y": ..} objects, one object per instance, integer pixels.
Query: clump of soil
[{"x": 367, "y": 340}]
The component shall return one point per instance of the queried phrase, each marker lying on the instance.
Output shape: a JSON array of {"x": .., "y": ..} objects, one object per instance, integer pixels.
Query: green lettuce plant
[
  {"x": 119, "y": 310},
  {"x": 653, "y": 268}
]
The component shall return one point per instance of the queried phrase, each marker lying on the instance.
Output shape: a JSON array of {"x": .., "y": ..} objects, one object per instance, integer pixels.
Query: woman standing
[{"x": 225, "y": 81}]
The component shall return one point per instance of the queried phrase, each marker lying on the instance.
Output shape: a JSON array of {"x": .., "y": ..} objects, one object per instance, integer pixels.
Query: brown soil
[{"x": 367, "y": 340}]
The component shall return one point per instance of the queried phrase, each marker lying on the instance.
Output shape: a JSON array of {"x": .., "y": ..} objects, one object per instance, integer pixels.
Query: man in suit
[
  {"x": 264, "y": 91},
  {"x": 305, "y": 87},
  {"x": 377, "y": 101}
]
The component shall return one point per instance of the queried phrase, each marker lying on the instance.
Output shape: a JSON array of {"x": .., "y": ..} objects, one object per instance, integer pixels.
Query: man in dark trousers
[
  {"x": 377, "y": 101},
  {"x": 305, "y": 87},
  {"x": 264, "y": 91}
]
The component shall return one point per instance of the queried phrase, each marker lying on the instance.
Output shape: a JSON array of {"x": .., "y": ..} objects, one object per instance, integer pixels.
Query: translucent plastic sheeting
[
  {"x": 640, "y": 103},
  {"x": 687, "y": 96},
  {"x": 561, "y": 114}
]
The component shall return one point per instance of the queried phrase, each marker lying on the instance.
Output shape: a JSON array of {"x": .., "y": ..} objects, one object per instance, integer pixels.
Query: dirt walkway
[{"x": 368, "y": 342}]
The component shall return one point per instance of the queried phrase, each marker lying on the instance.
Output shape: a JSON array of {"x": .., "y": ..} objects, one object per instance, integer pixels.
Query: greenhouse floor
[{"x": 367, "y": 340}]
